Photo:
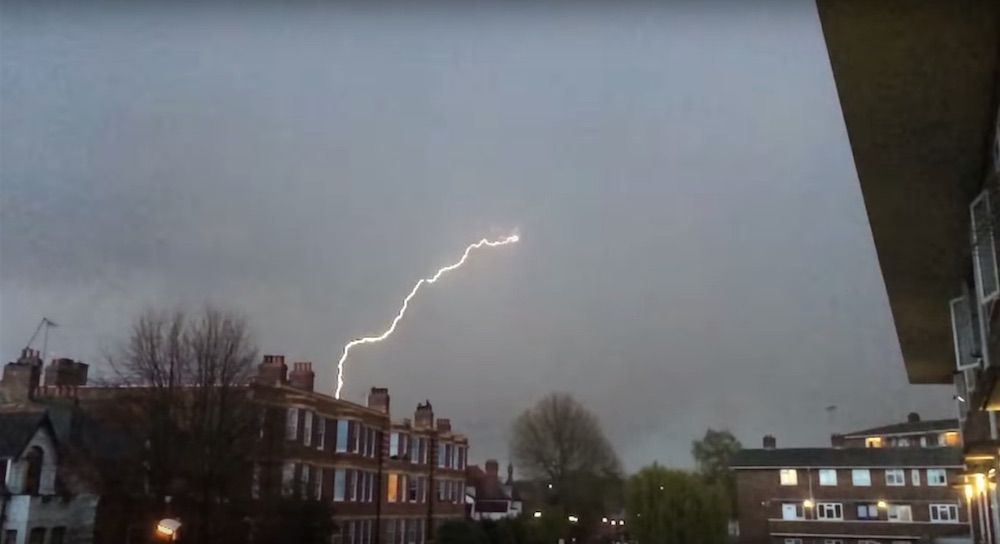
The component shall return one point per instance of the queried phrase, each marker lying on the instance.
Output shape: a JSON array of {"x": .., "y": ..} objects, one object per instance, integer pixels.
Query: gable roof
[
  {"x": 847, "y": 457},
  {"x": 17, "y": 430},
  {"x": 908, "y": 427}
]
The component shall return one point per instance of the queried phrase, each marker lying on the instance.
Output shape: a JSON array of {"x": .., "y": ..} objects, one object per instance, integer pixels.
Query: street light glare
[{"x": 537, "y": 513}]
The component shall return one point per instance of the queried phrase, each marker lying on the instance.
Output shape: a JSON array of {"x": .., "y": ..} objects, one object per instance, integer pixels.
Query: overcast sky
[{"x": 694, "y": 248}]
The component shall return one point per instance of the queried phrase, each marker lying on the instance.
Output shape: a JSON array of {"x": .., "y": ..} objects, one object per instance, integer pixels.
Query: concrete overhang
[{"x": 917, "y": 87}]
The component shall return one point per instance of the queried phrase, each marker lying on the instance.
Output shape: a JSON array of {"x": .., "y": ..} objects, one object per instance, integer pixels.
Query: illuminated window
[
  {"x": 827, "y": 476},
  {"x": 873, "y": 442},
  {"x": 788, "y": 476},
  {"x": 951, "y": 438},
  {"x": 792, "y": 510},
  {"x": 861, "y": 477},
  {"x": 392, "y": 493}
]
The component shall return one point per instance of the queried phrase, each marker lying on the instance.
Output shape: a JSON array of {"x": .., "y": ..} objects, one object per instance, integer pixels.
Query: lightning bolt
[{"x": 406, "y": 303}]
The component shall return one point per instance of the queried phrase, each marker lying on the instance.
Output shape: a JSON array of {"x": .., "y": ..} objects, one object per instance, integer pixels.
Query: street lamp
[
  {"x": 573, "y": 519},
  {"x": 882, "y": 505},
  {"x": 808, "y": 503},
  {"x": 604, "y": 520},
  {"x": 537, "y": 514},
  {"x": 166, "y": 529}
]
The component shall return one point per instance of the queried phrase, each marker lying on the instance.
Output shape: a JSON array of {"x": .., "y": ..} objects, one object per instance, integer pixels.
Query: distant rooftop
[
  {"x": 847, "y": 457},
  {"x": 909, "y": 427}
]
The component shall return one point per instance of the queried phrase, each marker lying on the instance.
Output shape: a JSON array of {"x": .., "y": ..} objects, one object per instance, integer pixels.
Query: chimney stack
[
  {"x": 912, "y": 417},
  {"x": 770, "y": 442},
  {"x": 378, "y": 399},
  {"x": 21, "y": 378},
  {"x": 423, "y": 418},
  {"x": 444, "y": 424},
  {"x": 64, "y": 372},
  {"x": 837, "y": 440},
  {"x": 302, "y": 376},
  {"x": 272, "y": 371},
  {"x": 492, "y": 468}
]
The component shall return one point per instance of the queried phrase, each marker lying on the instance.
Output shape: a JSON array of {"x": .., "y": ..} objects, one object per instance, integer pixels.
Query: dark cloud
[{"x": 695, "y": 250}]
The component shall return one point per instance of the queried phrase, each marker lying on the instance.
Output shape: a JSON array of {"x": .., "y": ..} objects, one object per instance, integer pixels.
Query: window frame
[
  {"x": 895, "y": 508},
  {"x": 934, "y": 510},
  {"x": 936, "y": 471},
  {"x": 895, "y": 477},
  {"x": 869, "y": 508},
  {"x": 915, "y": 477},
  {"x": 788, "y": 476},
  {"x": 855, "y": 472},
  {"x": 827, "y": 472},
  {"x": 821, "y": 510},
  {"x": 983, "y": 297},
  {"x": 799, "y": 511}
]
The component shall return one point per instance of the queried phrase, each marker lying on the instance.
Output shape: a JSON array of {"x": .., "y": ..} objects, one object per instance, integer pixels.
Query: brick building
[
  {"x": 887, "y": 485},
  {"x": 383, "y": 481}
]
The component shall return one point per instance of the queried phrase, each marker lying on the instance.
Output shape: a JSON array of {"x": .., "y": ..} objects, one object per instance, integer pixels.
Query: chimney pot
[
  {"x": 912, "y": 417},
  {"x": 492, "y": 467},
  {"x": 378, "y": 399},
  {"x": 444, "y": 424},
  {"x": 302, "y": 376},
  {"x": 423, "y": 418}
]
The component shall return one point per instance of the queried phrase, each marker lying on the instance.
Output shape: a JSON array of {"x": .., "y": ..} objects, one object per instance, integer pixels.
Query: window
[
  {"x": 320, "y": 433},
  {"x": 915, "y": 477},
  {"x": 307, "y": 429},
  {"x": 868, "y": 542},
  {"x": 341, "y": 435},
  {"x": 983, "y": 248},
  {"x": 33, "y": 479},
  {"x": 900, "y": 512},
  {"x": 944, "y": 513},
  {"x": 951, "y": 438},
  {"x": 829, "y": 510},
  {"x": 461, "y": 458},
  {"x": 861, "y": 477},
  {"x": 792, "y": 510},
  {"x": 392, "y": 491},
  {"x": 390, "y": 531},
  {"x": 352, "y": 435},
  {"x": 833, "y": 541},
  {"x": 288, "y": 478},
  {"x": 867, "y": 510},
  {"x": 316, "y": 482},
  {"x": 302, "y": 490},
  {"x": 37, "y": 536},
  {"x": 895, "y": 477},
  {"x": 393, "y": 444},
  {"x": 873, "y": 442},
  {"x": 827, "y": 476},
  {"x": 936, "y": 477},
  {"x": 788, "y": 476},
  {"x": 57, "y": 535},
  {"x": 793, "y": 541},
  {"x": 292, "y": 424},
  {"x": 339, "y": 484}
]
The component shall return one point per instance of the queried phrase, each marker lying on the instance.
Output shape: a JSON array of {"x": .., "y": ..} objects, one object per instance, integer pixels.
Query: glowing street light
[
  {"x": 613, "y": 523},
  {"x": 167, "y": 528},
  {"x": 604, "y": 520},
  {"x": 980, "y": 483},
  {"x": 808, "y": 503},
  {"x": 621, "y": 522},
  {"x": 573, "y": 519},
  {"x": 537, "y": 514},
  {"x": 968, "y": 492},
  {"x": 882, "y": 504}
]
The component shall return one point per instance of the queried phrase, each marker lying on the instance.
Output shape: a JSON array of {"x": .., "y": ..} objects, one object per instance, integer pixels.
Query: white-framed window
[
  {"x": 287, "y": 478},
  {"x": 829, "y": 510},
  {"x": 342, "y": 426},
  {"x": 320, "y": 432},
  {"x": 827, "y": 476},
  {"x": 895, "y": 477},
  {"x": 861, "y": 477},
  {"x": 793, "y": 541},
  {"x": 944, "y": 513},
  {"x": 915, "y": 477},
  {"x": 393, "y": 444},
  {"x": 867, "y": 510},
  {"x": 307, "y": 429},
  {"x": 832, "y": 541},
  {"x": 937, "y": 477},
  {"x": 317, "y": 482},
  {"x": 291, "y": 423},
  {"x": 869, "y": 542},
  {"x": 984, "y": 248},
  {"x": 792, "y": 510},
  {"x": 900, "y": 512},
  {"x": 303, "y": 488},
  {"x": 964, "y": 332},
  {"x": 339, "y": 484},
  {"x": 788, "y": 476}
]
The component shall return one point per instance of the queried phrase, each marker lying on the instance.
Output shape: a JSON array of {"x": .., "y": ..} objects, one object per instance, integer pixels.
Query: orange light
[
  {"x": 968, "y": 492},
  {"x": 882, "y": 505},
  {"x": 980, "y": 483}
]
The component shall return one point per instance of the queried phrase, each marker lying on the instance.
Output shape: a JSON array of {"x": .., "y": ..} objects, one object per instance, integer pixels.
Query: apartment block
[{"x": 866, "y": 488}]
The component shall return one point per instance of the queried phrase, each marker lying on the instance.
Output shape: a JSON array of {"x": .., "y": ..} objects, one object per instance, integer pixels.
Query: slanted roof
[
  {"x": 847, "y": 457},
  {"x": 910, "y": 427},
  {"x": 16, "y": 429}
]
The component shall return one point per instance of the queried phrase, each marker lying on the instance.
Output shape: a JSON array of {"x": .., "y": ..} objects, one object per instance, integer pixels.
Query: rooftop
[
  {"x": 18, "y": 428},
  {"x": 847, "y": 457},
  {"x": 909, "y": 427}
]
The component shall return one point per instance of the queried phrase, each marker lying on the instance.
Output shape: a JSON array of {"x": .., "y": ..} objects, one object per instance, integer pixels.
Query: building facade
[
  {"x": 870, "y": 487},
  {"x": 919, "y": 88},
  {"x": 380, "y": 480},
  {"x": 487, "y": 498}
]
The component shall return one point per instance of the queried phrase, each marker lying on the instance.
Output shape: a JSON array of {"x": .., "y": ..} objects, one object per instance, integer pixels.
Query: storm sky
[{"x": 694, "y": 248}]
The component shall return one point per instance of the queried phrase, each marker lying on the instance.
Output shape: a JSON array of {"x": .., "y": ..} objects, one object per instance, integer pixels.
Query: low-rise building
[
  {"x": 891, "y": 491},
  {"x": 489, "y": 499}
]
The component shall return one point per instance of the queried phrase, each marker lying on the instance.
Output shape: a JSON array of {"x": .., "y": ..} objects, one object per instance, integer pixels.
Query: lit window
[
  {"x": 827, "y": 476},
  {"x": 829, "y": 510},
  {"x": 861, "y": 477},
  {"x": 900, "y": 512},
  {"x": 873, "y": 442},
  {"x": 951, "y": 438},
  {"x": 944, "y": 513},
  {"x": 392, "y": 492},
  {"x": 788, "y": 476},
  {"x": 937, "y": 477},
  {"x": 895, "y": 477},
  {"x": 792, "y": 510}
]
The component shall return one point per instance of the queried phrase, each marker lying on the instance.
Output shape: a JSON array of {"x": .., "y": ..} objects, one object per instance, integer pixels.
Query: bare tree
[
  {"x": 560, "y": 445},
  {"x": 188, "y": 404}
]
